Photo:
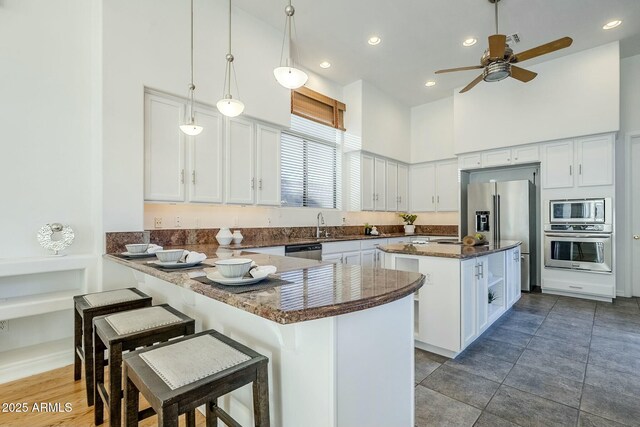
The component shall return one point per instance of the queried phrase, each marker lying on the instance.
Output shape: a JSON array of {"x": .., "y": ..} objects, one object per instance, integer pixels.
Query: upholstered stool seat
[
  {"x": 127, "y": 331},
  {"x": 178, "y": 376},
  {"x": 88, "y": 306}
]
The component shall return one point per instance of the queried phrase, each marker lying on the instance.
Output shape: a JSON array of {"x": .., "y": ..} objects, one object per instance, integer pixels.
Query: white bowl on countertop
[
  {"x": 137, "y": 248},
  {"x": 170, "y": 255},
  {"x": 233, "y": 267}
]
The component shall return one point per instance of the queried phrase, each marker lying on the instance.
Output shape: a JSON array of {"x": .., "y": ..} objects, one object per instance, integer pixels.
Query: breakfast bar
[{"x": 339, "y": 338}]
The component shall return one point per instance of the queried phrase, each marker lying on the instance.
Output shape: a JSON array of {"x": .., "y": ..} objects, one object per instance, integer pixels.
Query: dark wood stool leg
[
  {"x": 87, "y": 334},
  {"x": 261, "y": 397},
  {"x": 77, "y": 342},
  {"x": 211, "y": 417},
  {"x": 98, "y": 380},
  {"x": 168, "y": 416},
  {"x": 131, "y": 402},
  {"x": 190, "y": 418},
  {"x": 115, "y": 385}
]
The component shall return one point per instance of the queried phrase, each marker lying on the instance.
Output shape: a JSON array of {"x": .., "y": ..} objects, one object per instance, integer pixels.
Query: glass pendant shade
[
  {"x": 230, "y": 107},
  {"x": 289, "y": 77},
  {"x": 191, "y": 129}
]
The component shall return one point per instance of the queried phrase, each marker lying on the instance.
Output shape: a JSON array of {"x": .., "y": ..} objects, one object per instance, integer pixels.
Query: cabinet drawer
[
  {"x": 372, "y": 243},
  {"x": 606, "y": 291},
  {"x": 338, "y": 247},
  {"x": 394, "y": 240}
]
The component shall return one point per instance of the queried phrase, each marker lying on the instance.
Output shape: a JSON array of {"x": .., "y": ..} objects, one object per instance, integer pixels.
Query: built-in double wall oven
[{"x": 578, "y": 235}]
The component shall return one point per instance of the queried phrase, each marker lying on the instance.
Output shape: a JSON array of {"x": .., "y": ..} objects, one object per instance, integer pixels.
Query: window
[{"x": 310, "y": 165}]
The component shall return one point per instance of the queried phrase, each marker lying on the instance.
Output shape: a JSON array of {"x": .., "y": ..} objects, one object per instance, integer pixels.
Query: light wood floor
[{"x": 53, "y": 387}]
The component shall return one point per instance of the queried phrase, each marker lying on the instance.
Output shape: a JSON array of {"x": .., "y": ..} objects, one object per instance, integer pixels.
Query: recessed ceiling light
[
  {"x": 469, "y": 42},
  {"x": 430, "y": 83},
  {"x": 325, "y": 64},
  {"x": 374, "y": 40},
  {"x": 612, "y": 24}
]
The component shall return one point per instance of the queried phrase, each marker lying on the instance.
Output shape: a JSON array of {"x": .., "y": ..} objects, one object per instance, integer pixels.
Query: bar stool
[
  {"x": 127, "y": 331},
  {"x": 86, "y": 308},
  {"x": 178, "y": 376}
]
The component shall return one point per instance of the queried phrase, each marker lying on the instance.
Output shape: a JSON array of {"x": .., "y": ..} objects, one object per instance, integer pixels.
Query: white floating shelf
[
  {"x": 47, "y": 264},
  {"x": 495, "y": 280},
  {"x": 32, "y": 305}
]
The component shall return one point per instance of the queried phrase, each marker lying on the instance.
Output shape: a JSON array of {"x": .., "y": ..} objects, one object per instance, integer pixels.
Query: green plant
[
  {"x": 408, "y": 219},
  {"x": 366, "y": 225},
  {"x": 492, "y": 296}
]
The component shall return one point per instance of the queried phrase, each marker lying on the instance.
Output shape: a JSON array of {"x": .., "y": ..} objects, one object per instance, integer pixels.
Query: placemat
[
  {"x": 269, "y": 282},
  {"x": 200, "y": 266},
  {"x": 127, "y": 257}
]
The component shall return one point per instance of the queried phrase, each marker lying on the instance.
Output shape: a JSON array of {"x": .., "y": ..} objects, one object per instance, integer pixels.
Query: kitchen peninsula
[
  {"x": 467, "y": 288},
  {"x": 339, "y": 338}
]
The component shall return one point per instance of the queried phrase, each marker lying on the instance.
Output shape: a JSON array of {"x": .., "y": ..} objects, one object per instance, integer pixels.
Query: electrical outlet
[
  {"x": 4, "y": 326},
  {"x": 177, "y": 222},
  {"x": 157, "y": 222}
]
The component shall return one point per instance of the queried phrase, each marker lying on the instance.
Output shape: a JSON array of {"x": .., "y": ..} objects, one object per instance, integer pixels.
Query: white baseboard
[{"x": 37, "y": 364}]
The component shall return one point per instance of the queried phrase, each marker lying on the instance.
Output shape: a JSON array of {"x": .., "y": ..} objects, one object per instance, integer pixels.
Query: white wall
[
  {"x": 572, "y": 96},
  {"x": 432, "y": 131}
]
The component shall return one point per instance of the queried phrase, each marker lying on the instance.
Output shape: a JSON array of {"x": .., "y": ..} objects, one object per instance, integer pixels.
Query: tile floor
[{"x": 550, "y": 361}]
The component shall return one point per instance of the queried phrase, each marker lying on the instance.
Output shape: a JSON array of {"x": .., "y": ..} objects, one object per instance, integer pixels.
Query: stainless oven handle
[{"x": 580, "y": 236}]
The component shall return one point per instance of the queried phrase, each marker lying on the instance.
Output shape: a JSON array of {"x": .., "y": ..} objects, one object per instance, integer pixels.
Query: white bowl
[
  {"x": 170, "y": 255},
  {"x": 137, "y": 248},
  {"x": 233, "y": 267}
]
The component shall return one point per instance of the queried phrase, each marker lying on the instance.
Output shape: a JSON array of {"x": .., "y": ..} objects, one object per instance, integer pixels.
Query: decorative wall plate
[{"x": 46, "y": 233}]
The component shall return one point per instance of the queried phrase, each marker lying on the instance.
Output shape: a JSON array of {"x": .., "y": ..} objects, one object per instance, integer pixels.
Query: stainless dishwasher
[{"x": 307, "y": 251}]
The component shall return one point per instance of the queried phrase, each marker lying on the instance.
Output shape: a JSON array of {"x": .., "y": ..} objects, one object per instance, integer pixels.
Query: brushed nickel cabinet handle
[
  {"x": 260, "y": 184},
  {"x": 575, "y": 287},
  {"x": 253, "y": 183},
  {"x": 193, "y": 177},
  {"x": 182, "y": 176},
  {"x": 570, "y": 170},
  {"x": 580, "y": 169}
]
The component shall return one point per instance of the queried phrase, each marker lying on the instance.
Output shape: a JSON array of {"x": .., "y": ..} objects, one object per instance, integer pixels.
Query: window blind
[{"x": 317, "y": 107}]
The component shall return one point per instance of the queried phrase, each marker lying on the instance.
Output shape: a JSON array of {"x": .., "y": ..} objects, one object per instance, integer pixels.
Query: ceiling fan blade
[
  {"x": 450, "y": 70},
  {"x": 497, "y": 46},
  {"x": 522, "y": 74},
  {"x": 472, "y": 84},
  {"x": 543, "y": 49}
]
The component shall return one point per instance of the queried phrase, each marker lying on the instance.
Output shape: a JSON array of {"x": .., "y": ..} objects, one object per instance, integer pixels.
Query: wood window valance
[{"x": 320, "y": 108}]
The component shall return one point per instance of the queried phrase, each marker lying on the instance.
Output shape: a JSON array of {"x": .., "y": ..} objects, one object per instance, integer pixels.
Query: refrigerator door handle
[
  {"x": 495, "y": 217},
  {"x": 498, "y": 219}
]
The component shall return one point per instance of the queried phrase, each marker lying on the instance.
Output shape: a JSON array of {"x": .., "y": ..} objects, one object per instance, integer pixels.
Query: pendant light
[
  {"x": 286, "y": 74},
  {"x": 191, "y": 128},
  {"x": 229, "y": 106}
]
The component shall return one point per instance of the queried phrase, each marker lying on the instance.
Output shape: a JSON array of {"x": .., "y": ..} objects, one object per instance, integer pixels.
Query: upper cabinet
[
  {"x": 380, "y": 184},
  {"x": 392, "y": 186},
  {"x": 447, "y": 186},
  {"x": 367, "y": 182},
  {"x": 403, "y": 188},
  {"x": 268, "y": 165},
  {"x": 205, "y": 159},
  {"x": 434, "y": 186},
  {"x": 384, "y": 184},
  {"x": 240, "y": 165},
  {"x": 470, "y": 161},
  {"x": 583, "y": 162}
]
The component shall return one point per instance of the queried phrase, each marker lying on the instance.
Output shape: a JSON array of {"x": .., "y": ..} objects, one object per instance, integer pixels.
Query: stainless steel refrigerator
[{"x": 506, "y": 211}]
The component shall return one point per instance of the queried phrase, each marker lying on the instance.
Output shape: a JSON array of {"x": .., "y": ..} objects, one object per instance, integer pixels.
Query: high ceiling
[{"x": 421, "y": 36}]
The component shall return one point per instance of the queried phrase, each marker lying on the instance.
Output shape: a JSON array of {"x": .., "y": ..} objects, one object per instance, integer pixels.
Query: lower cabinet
[
  {"x": 334, "y": 258},
  {"x": 351, "y": 258},
  {"x": 514, "y": 282},
  {"x": 368, "y": 258}
]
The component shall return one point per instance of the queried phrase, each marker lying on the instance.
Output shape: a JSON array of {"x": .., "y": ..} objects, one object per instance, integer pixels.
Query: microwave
[{"x": 591, "y": 211}]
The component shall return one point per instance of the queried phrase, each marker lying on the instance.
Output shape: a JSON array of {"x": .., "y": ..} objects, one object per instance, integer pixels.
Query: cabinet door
[
  {"x": 351, "y": 258},
  {"x": 392, "y": 187},
  {"x": 164, "y": 147},
  {"x": 368, "y": 194},
  {"x": 496, "y": 158},
  {"x": 470, "y": 161},
  {"x": 423, "y": 188},
  {"x": 595, "y": 161},
  {"x": 205, "y": 158},
  {"x": 468, "y": 306},
  {"x": 268, "y": 165},
  {"x": 528, "y": 154},
  {"x": 513, "y": 276},
  {"x": 240, "y": 155},
  {"x": 332, "y": 258},
  {"x": 557, "y": 165},
  {"x": 380, "y": 185},
  {"x": 482, "y": 292},
  {"x": 447, "y": 186},
  {"x": 368, "y": 258},
  {"x": 403, "y": 188}
]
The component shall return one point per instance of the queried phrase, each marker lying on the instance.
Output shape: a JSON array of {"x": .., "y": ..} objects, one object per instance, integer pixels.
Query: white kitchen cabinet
[
  {"x": 525, "y": 154},
  {"x": 332, "y": 258},
  {"x": 557, "y": 165},
  {"x": 392, "y": 186},
  {"x": 268, "y": 165},
  {"x": 514, "y": 277},
  {"x": 240, "y": 158},
  {"x": 481, "y": 282},
  {"x": 380, "y": 184},
  {"x": 403, "y": 188},
  {"x": 206, "y": 158},
  {"x": 368, "y": 258},
  {"x": 470, "y": 161},
  {"x": 351, "y": 258},
  {"x": 367, "y": 182},
  {"x": 423, "y": 187},
  {"x": 164, "y": 150},
  {"x": 496, "y": 158},
  {"x": 510, "y": 156},
  {"x": 594, "y": 160},
  {"x": 468, "y": 306},
  {"x": 447, "y": 186}
]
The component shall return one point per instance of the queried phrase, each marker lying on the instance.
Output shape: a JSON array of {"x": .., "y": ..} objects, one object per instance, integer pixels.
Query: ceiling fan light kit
[{"x": 497, "y": 61}]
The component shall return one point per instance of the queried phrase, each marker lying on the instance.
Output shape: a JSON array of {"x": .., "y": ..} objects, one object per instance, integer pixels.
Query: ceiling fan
[{"x": 497, "y": 61}]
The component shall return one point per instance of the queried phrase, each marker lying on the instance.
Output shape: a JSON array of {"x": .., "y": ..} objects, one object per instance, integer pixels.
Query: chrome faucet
[{"x": 320, "y": 221}]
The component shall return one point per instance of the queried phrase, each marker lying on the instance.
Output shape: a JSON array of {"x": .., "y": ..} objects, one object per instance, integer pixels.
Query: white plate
[
  {"x": 138, "y": 255},
  {"x": 215, "y": 276},
  {"x": 175, "y": 264}
]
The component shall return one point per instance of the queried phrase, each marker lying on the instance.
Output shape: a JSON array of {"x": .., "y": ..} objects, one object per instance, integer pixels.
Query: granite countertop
[
  {"x": 450, "y": 250},
  {"x": 317, "y": 290}
]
